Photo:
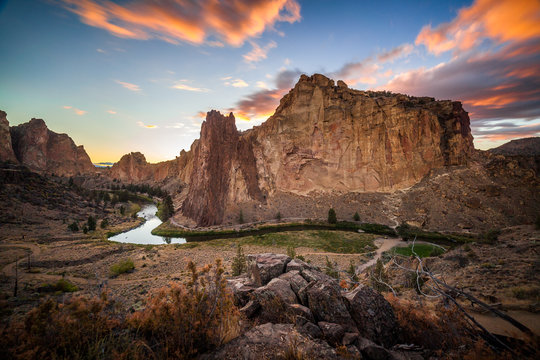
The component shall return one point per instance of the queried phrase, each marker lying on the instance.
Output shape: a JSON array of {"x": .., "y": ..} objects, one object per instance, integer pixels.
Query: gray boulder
[
  {"x": 262, "y": 268},
  {"x": 373, "y": 315}
]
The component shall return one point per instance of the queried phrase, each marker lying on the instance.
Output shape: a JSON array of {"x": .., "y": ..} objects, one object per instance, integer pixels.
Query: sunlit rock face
[
  {"x": 223, "y": 170},
  {"x": 43, "y": 150},
  {"x": 331, "y": 138},
  {"x": 6, "y": 149},
  {"x": 324, "y": 139}
]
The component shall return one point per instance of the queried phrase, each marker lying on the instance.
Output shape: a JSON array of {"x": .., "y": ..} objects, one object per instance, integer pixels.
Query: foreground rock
[{"x": 300, "y": 305}]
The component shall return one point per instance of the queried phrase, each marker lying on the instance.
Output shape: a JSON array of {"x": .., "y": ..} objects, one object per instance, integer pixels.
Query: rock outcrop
[
  {"x": 297, "y": 300},
  {"x": 6, "y": 149},
  {"x": 323, "y": 139},
  {"x": 43, "y": 150}
]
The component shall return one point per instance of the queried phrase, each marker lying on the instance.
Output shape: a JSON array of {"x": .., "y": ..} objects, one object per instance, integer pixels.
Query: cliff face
[
  {"x": 43, "y": 150},
  {"x": 331, "y": 138},
  {"x": 324, "y": 139},
  {"x": 133, "y": 167},
  {"x": 213, "y": 158},
  {"x": 6, "y": 149}
]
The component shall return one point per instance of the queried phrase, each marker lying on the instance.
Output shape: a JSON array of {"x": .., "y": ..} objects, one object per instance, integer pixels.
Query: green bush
[
  {"x": 291, "y": 252},
  {"x": 379, "y": 276},
  {"x": 239, "y": 264},
  {"x": 104, "y": 223},
  {"x": 73, "y": 226},
  {"x": 91, "y": 223},
  {"x": 122, "y": 267},
  {"x": 356, "y": 217},
  {"x": 62, "y": 285},
  {"x": 332, "y": 218},
  {"x": 241, "y": 217},
  {"x": 330, "y": 269}
]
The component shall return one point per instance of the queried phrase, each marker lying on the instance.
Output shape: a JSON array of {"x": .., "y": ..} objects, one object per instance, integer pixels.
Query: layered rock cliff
[
  {"x": 6, "y": 149},
  {"x": 43, "y": 150},
  {"x": 324, "y": 139}
]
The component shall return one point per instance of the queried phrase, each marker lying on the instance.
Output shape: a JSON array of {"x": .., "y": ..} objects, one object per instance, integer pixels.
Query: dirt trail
[{"x": 384, "y": 245}]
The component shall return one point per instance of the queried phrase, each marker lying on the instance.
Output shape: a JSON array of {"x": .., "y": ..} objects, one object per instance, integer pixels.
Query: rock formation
[
  {"x": 6, "y": 149},
  {"x": 293, "y": 299},
  {"x": 43, "y": 150},
  {"x": 323, "y": 139}
]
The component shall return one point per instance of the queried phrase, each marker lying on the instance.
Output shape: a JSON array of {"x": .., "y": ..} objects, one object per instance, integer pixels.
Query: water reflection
[{"x": 143, "y": 234}]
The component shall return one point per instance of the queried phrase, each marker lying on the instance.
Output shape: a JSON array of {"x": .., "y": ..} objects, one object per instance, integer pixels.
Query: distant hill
[{"x": 525, "y": 147}]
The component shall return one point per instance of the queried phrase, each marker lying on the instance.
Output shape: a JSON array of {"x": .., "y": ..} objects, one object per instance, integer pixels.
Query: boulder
[
  {"x": 241, "y": 287},
  {"x": 294, "y": 278},
  {"x": 276, "y": 288},
  {"x": 333, "y": 333},
  {"x": 373, "y": 315},
  {"x": 299, "y": 265},
  {"x": 262, "y": 268},
  {"x": 325, "y": 301},
  {"x": 273, "y": 341},
  {"x": 303, "y": 311}
]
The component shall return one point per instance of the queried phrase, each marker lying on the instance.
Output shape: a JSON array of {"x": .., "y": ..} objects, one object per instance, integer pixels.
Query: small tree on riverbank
[{"x": 332, "y": 218}]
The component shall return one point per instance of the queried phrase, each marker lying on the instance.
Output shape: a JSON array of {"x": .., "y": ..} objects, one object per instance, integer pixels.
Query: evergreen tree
[
  {"x": 91, "y": 223},
  {"x": 332, "y": 218},
  {"x": 239, "y": 264}
]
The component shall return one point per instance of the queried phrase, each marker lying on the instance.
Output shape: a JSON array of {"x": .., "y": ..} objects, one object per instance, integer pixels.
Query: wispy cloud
[
  {"x": 101, "y": 51},
  {"x": 75, "y": 110},
  {"x": 141, "y": 124},
  {"x": 194, "y": 22},
  {"x": 239, "y": 83},
  {"x": 499, "y": 20},
  {"x": 258, "y": 53},
  {"x": 129, "y": 86},
  {"x": 183, "y": 85},
  {"x": 112, "y": 112}
]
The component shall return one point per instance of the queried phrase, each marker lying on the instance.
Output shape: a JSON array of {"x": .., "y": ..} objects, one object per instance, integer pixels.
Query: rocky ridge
[{"x": 6, "y": 149}]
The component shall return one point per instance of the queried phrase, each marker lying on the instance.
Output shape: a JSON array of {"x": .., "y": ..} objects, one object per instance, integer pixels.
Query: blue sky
[{"x": 136, "y": 76}]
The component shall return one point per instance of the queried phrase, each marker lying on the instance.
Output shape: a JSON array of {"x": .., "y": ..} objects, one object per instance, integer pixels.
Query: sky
[{"x": 134, "y": 75}]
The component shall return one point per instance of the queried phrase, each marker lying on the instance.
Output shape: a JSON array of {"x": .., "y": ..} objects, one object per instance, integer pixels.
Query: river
[{"x": 143, "y": 233}]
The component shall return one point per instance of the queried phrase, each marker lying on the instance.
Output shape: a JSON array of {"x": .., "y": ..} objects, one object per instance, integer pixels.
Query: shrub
[
  {"x": 278, "y": 216},
  {"x": 332, "y": 218},
  {"x": 122, "y": 267},
  {"x": 239, "y": 262},
  {"x": 330, "y": 269},
  {"x": 356, "y": 217},
  {"x": 187, "y": 321},
  {"x": 527, "y": 292},
  {"x": 62, "y": 285},
  {"x": 241, "y": 217},
  {"x": 85, "y": 229},
  {"x": 73, "y": 226},
  {"x": 352, "y": 271},
  {"x": 104, "y": 223},
  {"x": 91, "y": 223},
  {"x": 122, "y": 209},
  {"x": 491, "y": 236},
  {"x": 291, "y": 252},
  {"x": 379, "y": 276}
]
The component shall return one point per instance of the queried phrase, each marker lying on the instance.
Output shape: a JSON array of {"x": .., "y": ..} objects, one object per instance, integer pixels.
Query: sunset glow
[{"x": 122, "y": 76}]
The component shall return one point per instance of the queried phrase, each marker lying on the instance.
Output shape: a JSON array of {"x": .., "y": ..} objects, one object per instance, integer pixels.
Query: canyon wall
[{"x": 324, "y": 139}]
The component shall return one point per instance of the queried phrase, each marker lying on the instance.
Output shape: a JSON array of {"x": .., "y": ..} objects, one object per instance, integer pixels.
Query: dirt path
[{"x": 384, "y": 245}]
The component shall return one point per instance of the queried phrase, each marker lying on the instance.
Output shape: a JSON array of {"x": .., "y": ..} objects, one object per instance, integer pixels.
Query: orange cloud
[
  {"x": 499, "y": 20},
  {"x": 232, "y": 21},
  {"x": 75, "y": 110},
  {"x": 141, "y": 124}
]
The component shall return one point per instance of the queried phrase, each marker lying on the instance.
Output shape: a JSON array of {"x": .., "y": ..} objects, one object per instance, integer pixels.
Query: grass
[
  {"x": 526, "y": 292},
  {"x": 168, "y": 230},
  {"x": 422, "y": 250},
  {"x": 62, "y": 285},
  {"x": 122, "y": 267},
  {"x": 324, "y": 240}
]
